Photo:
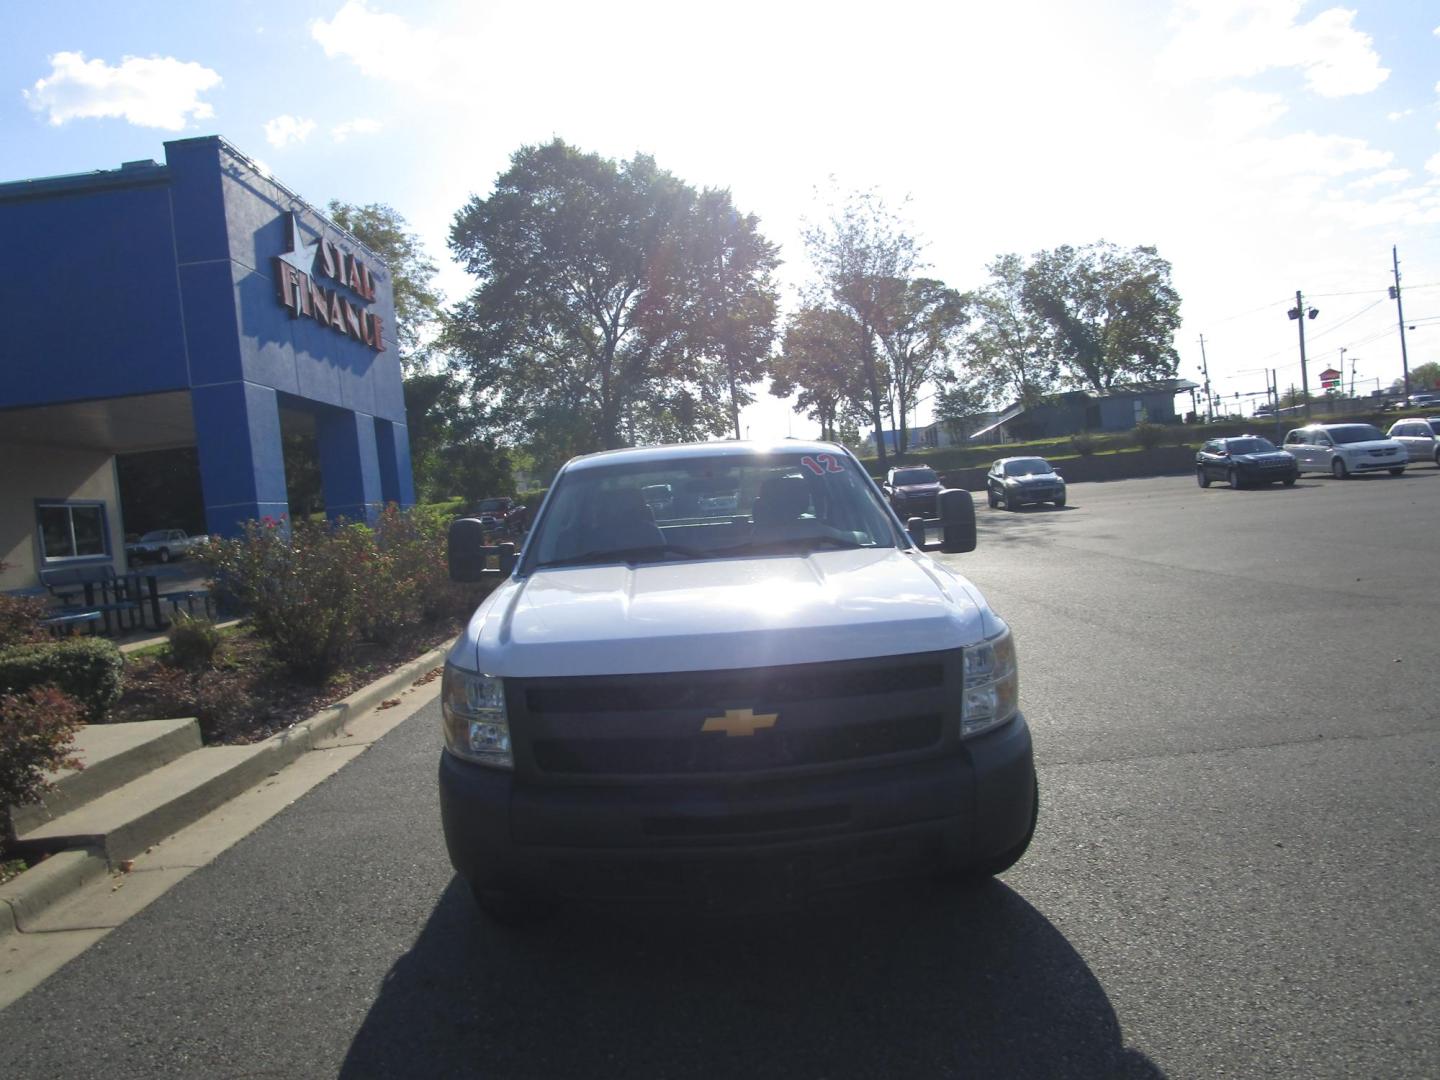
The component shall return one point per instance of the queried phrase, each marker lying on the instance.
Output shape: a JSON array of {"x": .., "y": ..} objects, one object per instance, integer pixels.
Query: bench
[{"x": 99, "y": 589}]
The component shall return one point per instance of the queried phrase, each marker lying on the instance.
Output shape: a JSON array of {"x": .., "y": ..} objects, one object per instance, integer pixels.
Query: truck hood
[{"x": 722, "y": 613}]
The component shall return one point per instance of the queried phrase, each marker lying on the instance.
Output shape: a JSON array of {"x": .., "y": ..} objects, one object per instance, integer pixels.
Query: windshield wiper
[{"x": 626, "y": 555}]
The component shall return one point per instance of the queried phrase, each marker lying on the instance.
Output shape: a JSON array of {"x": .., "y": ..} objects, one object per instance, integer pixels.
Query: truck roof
[{"x": 724, "y": 448}]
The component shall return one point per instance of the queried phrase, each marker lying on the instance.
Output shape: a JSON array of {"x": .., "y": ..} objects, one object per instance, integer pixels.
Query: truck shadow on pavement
[{"x": 906, "y": 981}]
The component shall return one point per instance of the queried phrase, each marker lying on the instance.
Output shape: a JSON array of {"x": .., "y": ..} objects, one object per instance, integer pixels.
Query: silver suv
[
  {"x": 1420, "y": 437},
  {"x": 1345, "y": 449}
]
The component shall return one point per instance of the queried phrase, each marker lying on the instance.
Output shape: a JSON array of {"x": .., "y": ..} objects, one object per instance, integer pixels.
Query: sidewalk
[{"x": 147, "y": 785}]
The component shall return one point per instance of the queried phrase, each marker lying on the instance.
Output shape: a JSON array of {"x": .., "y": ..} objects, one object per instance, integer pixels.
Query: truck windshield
[{"x": 730, "y": 506}]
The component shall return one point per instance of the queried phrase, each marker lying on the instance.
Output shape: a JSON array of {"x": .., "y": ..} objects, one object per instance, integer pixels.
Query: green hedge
[{"x": 88, "y": 669}]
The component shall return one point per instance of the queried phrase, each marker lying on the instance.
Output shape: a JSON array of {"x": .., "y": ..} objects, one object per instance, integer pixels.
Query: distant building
[{"x": 1119, "y": 408}]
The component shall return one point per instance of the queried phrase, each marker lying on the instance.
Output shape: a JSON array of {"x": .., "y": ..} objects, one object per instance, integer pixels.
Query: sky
[{"x": 1263, "y": 146}]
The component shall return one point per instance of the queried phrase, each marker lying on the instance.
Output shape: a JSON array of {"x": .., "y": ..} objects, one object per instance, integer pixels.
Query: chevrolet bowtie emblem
[{"x": 739, "y": 722}]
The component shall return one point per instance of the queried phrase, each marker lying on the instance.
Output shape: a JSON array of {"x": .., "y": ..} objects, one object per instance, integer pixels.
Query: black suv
[{"x": 1245, "y": 459}]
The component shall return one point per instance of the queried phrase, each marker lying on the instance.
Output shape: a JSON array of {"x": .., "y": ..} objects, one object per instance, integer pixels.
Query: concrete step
[
  {"x": 124, "y": 822},
  {"x": 113, "y": 756}
]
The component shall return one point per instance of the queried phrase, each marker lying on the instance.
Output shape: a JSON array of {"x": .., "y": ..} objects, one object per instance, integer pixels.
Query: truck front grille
[
  {"x": 695, "y": 723},
  {"x": 713, "y": 752}
]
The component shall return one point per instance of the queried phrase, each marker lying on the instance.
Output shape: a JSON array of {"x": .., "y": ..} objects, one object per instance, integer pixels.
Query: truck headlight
[
  {"x": 472, "y": 707},
  {"x": 992, "y": 685}
]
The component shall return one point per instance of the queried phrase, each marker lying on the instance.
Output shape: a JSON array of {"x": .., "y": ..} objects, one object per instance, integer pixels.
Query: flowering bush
[
  {"x": 305, "y": 587},
  {"x": 37, "y": 727},
  {"x": 314, "y": 589}
]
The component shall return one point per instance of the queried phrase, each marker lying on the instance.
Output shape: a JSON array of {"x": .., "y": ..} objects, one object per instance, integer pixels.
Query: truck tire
[
  {"x": 163, "y": 555},
  {"x": 978, "y": 873}
]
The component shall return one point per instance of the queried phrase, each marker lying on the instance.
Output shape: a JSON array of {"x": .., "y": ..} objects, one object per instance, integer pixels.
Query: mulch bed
[{"x": 250, "y": 695}]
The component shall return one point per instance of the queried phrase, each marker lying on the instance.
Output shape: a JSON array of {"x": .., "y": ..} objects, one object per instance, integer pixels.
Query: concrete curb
[{"x": 27, "y": 895}]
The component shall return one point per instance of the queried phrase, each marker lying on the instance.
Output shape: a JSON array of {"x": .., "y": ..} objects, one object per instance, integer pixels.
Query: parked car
[
  {"x": 912, "y": 491},
  {"x": 163, "y": 546},
  {"x": 1419, "y": 436},
  {"x": 502, "y": 514},
  {"x": 1015, "y": 481},
  {"x": 781, "y": 704},
  {"x": 1244, "y": 459},
  {"x": 1345, "y": 449},
  {"x": 1423, "y": 399}
]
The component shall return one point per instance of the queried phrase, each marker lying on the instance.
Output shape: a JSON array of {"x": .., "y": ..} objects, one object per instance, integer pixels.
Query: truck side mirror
[
  {"x": 471, "y": 559},
  {"x": 957, "y": 521},
  {"x": 915, "y": 526}
]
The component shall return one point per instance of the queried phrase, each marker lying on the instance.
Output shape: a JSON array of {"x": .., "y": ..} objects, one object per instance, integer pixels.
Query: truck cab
[{"x": 680, "y": 698}]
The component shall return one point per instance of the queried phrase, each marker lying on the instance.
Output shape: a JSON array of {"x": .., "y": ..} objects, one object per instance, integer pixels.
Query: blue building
[{"x": 194, "y": 303}]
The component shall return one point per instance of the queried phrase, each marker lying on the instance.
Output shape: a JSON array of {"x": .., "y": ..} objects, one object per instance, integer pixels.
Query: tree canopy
[
  {"x": 816, "y": 364},
  {"x": 1110, "y": 314},
  {"x": 613, "y": 296}
]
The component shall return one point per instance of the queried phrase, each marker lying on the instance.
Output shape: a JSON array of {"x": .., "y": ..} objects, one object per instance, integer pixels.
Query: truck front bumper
[{"x": 706, "y": 840}]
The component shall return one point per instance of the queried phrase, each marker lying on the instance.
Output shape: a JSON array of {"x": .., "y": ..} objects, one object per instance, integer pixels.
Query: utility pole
[
  {"x": 1275, "y": 390},
  {"x": 1205, "y": 367},
  {"x": 1400, "y": 314},
  {"x": 1299, "y": 314}
]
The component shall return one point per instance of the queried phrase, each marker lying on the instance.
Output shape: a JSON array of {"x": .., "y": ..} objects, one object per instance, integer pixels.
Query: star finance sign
[{"x": 298, "y": 275}]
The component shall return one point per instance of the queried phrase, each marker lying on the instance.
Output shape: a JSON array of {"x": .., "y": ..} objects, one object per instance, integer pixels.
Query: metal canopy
[{"x": 116, "y": 425}]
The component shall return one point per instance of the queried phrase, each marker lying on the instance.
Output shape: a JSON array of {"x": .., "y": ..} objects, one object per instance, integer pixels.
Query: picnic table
[{"x": 121, "y": 600}]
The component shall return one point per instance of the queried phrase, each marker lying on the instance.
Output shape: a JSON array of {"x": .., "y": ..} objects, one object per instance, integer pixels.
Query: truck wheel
[
  {"x": 994, "y": 502},
  {"x": 977, "y": 873},
  {"x": 1289, "y": 481},
  {"x": 1202, "y": 477},
  {"x": 1398, "y": 472},
  {"x": 163, "y": 555},
  {"x": 1338, "y": 470},
  {"x": 1233, "y": 477}
]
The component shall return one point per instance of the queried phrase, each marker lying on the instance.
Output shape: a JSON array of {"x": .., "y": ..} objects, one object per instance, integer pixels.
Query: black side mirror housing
[
  {"x": 915, "y": 526},
  {"x": 470, "y": 558},
  {"x": 957, "y": 521}
]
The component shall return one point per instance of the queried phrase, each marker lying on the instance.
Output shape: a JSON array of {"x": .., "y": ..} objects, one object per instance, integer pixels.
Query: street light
[{"x": 1294, "y": 314}]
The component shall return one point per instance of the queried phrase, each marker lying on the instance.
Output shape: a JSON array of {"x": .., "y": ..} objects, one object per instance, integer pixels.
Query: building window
[{"x": 72, "y": 530}]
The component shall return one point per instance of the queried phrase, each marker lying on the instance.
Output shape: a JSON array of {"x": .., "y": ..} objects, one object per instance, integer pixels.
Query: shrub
[
  {"x": 1083, "y": 443},
  {"x": 90, "y": 670},
  {"x": 306, "y": 587},
  {"x": 193, "y": 642},
  {"x": 415, "y": 540},
  {"x": 37, "y": 727},
  {"x": 1149, "y": 435},
  {"x": 20, "y": 617}
]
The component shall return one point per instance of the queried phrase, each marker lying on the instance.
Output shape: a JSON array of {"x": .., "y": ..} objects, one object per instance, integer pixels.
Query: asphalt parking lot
[{"x": 1233, "y": 695}]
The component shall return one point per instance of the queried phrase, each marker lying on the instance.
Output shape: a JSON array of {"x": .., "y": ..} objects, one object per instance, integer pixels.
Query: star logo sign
[
  {"x": 739, "y": 722},
  {"x": 301, "y": 255}
]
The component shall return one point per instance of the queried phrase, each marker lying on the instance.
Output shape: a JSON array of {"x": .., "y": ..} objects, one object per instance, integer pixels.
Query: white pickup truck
[
  {"x": 681, "y": 701},
  {"x": 163, "y": 545}
]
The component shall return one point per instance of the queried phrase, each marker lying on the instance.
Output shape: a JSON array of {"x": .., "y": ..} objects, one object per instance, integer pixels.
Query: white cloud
[
  {"x": 361, "y": 125},
  {"x": 1399, "y": 114},
  {"x": 1223, "y": 39},
  {"x": 1385, "y": 176},
  {"x": 1433, "y": 165},
  {"x": 1239, "y": 112},
  {"x": 286, "y": 129},
  {"x": 1311, "y": 155},
  {"x": 385, "y": 46},
  {"x": 155, "y": 91}
]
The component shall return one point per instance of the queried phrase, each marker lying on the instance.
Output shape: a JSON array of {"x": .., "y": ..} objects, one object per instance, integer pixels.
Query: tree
[
  {"x": 417, "y": 303},
  {"x": 1422, "y": 377},
  {"x": 1005, "y": 352},
  {"x": 958, "y": 400},
  {"x": 859, "y": 255},
  {"x": 1111, "y": 314},
  {"x": 918, "y": 329},
  {"x": 613, "y": 295},
  {"x": 817, "y": 364}
]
